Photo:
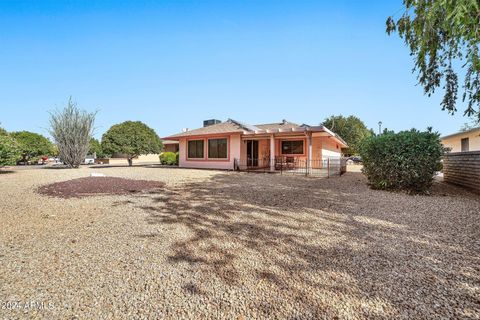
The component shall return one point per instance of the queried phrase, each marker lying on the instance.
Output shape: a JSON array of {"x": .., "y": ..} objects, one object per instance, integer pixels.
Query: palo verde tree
[
  {"x": 32, "y": 145},
  {"x": 9, "y": 150},
  {"x": 444, "y": 38},
  {"x": 72, "y": 129},
  {"x": 351, "y": 129},
  {"x": 131, "y": 138}
]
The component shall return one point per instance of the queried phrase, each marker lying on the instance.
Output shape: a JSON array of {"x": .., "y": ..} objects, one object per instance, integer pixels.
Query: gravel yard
[{"x": 214, "y": 244}]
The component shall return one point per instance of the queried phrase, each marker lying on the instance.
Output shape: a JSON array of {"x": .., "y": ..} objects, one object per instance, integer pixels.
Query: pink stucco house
[{"x": 231, "y": 144}]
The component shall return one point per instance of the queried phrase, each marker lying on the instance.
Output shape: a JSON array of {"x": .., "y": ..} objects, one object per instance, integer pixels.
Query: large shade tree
[
  {"x": 444, "y": 39},
  {"x": 3, "y": 132},
  {"x": 131, "y": 138},
  {"x": 32, "y": 145},
  {"x": 351, "y": 129},
  {"x": 95, "y": 148},
  {"x": 72, "y": 128},
  {"x": 9, "y": 150}
]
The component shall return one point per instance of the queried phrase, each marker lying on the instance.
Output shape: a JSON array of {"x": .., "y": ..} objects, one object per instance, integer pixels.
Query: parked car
[
  {"x": 354, "y": 160},
  {"x": 89, "y": 161}
]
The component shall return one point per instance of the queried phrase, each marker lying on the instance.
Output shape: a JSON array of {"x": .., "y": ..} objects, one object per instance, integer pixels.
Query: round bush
[
  {"x": 169, "y": 158},
  {"x": 406, "y": 160}
]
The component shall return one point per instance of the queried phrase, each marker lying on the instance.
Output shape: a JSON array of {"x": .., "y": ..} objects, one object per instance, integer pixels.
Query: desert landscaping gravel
[{"x": 211, "y": 244}]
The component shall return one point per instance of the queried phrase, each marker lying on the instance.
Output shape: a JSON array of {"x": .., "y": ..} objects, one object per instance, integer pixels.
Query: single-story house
[
  {"x": 230, "y": 144},
  {"x": 170, "y": 146},
  {"x": 463, "y": 141}
]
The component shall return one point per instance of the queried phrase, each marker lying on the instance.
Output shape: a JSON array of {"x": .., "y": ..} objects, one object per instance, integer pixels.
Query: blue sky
[{"x": 172, "y": 64}]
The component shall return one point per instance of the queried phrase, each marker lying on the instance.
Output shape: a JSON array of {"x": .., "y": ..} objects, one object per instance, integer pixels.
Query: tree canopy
[
  {"x": 3, "y": 132},
  {"x": 9, "y": 151},
  {"x": 32, "y": 144},
  {"x": 444, "y": 38},
  {"x": 95, "y": 148},
  {"x": 131, "y": 138},
  {"x": 351, "y": 129}
]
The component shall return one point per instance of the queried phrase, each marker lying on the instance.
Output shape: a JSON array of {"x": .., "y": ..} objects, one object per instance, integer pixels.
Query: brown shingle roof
[
  {"x": 223, "y": 127},
  {"x": 281, "y": 125}
]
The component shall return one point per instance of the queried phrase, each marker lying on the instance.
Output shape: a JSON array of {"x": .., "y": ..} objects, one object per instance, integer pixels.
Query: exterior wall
[
  {"x": 322, "y": 147},
  {"x": 330, "y": 149},
  {"x": 278, "y": 147},
  {"x": 264, "y": 149},
  {"x": 233, "y": 151},
  {"x": 170, "y": 147},
  {"x": 456, "y": 144},
  {"x": 145, "y": 158},
  {"x": 463, "y": 168}
]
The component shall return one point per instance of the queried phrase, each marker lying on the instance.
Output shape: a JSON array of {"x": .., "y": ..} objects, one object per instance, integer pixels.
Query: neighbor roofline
[{"x": 460, "y": 133}]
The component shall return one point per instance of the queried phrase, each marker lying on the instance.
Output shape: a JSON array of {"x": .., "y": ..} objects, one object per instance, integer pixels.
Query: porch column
[
  {"x": 272, "y": 153},
  {"x": 309, "y": 152}
]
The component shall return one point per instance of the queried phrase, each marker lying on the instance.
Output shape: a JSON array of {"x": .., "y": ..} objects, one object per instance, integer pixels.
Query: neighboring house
[
  {"x": 225, "y": 145},
  {"x": 463, "y": 141},
  {"x": 170, "y": 146}
]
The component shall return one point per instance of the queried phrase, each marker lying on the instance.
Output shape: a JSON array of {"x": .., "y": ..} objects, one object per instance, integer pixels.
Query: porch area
[{"x": 305, "y": 154}]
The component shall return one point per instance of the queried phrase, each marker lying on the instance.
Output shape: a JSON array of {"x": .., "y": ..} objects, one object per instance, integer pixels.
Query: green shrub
[
  {"x": 169, "y": 158},
  {"x": 406, "y": 160}
]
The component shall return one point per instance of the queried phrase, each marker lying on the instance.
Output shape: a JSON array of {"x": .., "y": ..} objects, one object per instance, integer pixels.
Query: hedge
[{"x": 406, "y": 160}]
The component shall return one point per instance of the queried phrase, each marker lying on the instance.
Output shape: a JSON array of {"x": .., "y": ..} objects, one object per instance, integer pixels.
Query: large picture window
[
  {"x": 217, "y": 148},
  {"x": 195, "y": 149},
  {"x": 292, "y": 147}
]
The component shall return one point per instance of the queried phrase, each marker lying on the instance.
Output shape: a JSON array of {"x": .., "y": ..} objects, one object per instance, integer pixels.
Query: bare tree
[{"x": 72, "y": 129}]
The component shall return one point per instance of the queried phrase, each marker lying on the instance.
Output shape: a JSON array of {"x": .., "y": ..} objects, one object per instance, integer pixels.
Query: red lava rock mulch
[{"x": 92, "y": 186}]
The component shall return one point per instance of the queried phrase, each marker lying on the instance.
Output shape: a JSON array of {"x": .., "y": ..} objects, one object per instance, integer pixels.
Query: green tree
[
  {"x": 95, "y": 148},
  {"x": 32, "y": 145},
  {"x": 351, "y": 129},
  {"x": 131, "y": 138},
  {"x": 443, "y": 37},
  {"x": 9, "y": 151},
  {"x": 3, "y": 132},
  {"x": 72, "y": 129}
]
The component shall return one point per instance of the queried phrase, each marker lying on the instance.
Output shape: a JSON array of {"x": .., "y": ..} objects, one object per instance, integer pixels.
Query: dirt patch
[{"x": 92, "y": 186}]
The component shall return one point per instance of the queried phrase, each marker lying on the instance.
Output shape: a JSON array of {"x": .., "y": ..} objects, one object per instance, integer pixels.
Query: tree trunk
[{"x": 130, "y": 162}]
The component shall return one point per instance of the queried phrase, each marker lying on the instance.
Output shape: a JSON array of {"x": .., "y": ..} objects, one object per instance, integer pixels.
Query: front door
[{"x": 252, "y": 153}]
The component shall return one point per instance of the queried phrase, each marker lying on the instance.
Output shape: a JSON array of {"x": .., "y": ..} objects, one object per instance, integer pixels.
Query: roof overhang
[
  {"x": 462, "y": 133},
  {"x": 316, "y": 131}
]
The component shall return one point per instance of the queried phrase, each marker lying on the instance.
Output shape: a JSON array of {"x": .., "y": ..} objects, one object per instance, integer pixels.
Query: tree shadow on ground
[{"x": 325, "y": 247}]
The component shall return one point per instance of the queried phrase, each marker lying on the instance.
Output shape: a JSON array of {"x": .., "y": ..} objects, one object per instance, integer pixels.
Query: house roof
[
  {"x": 461, "y": 133},
  {"x": 223, "y": 127},
  {"x": 234, "y": 126}
]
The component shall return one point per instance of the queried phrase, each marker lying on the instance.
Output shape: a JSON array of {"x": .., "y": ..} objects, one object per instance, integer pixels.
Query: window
[
  {"x": 465, "y": 144},
  {"x": 195, "y": 149},
  {"x": 292, "y": 147},
  {"x": 217, "y": 148}
]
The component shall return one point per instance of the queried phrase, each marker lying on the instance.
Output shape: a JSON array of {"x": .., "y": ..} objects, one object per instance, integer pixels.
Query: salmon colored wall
[
  {"x": 170, "y": 147},
  {"x": 264, "y": 149},
  {"x": 226, "y": 164},
  {"x": 278, "y": 148},
  {"x": 330, "y": 149}
]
